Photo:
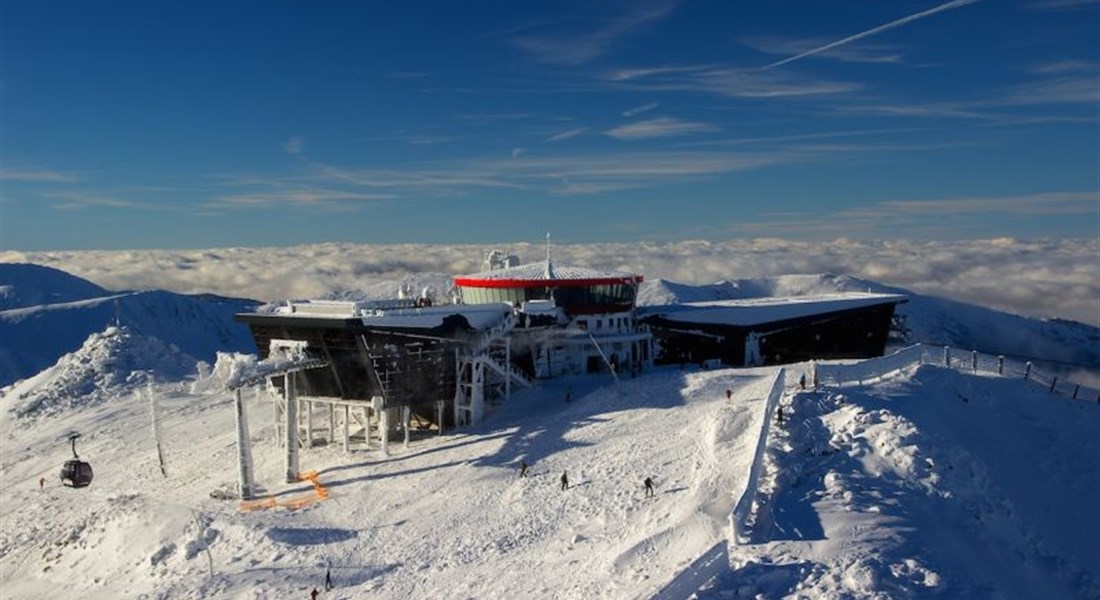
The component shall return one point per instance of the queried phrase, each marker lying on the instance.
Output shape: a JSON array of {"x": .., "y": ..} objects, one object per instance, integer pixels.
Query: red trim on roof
[{"x": 539, "y": 283}]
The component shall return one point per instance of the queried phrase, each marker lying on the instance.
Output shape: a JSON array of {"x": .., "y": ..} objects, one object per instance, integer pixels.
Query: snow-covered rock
[{"x": 111, "y": 363}]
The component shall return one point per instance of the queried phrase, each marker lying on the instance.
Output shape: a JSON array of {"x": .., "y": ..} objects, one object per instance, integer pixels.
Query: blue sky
[{"x": 212, "y": 124}]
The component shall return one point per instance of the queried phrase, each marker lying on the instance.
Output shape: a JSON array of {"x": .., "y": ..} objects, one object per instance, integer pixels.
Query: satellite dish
[{"x": 75, "y": 472}]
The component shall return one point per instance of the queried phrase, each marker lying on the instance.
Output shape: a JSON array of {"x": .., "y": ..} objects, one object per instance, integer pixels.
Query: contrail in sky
[{"x": 870, "y": 32}]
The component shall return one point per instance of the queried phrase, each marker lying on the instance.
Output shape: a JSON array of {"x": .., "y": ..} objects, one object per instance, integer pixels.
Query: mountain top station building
[{"x": 435, "y": 365}]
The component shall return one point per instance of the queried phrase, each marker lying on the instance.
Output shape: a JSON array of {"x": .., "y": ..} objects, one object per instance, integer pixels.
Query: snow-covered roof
[
  {"x": 754, "y": 311},
  {"x": 543, "y": 272},
  {"x": 479, "y": 316}
]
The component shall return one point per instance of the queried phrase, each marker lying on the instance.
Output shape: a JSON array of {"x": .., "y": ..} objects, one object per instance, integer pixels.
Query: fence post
[
  {"x": 974, "y": 360},
  {"x": 1027, "y": 370},
  {"x": 1001, "y": 365},
  {"x": 947, "y": 356},
  {"x": 1076, "y": 389},
  {"x": 1052, "y": 384}
]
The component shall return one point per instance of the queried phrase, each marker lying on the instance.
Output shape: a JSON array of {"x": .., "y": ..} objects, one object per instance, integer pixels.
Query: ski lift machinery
[{"x": 75, "y": 472}]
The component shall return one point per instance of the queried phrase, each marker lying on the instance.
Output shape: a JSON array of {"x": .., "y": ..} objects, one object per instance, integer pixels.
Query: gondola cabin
[{"x": 75, "y": 472}]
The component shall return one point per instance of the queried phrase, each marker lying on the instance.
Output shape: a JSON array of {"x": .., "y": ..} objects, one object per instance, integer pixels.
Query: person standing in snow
[
  {"x": 313, "y": 595},
  {"x": 328, "y": 580},
  {"x": 779, "y": 415},
  {"x": 648, "y": 487},
  {"x": 564, "y": 480},
  {"x": 729, "y": 394},
  {"x": 41, "y": 483},
  {"x": 523, "y": 468},
  {"x": 802, "y": 381}
]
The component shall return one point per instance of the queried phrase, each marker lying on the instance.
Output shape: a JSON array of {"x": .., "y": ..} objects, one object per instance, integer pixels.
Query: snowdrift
[{"x": 110, "y": 364}]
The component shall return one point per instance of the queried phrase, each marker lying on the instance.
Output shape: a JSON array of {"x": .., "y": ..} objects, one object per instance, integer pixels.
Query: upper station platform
[{"x": 577, "y": 290}]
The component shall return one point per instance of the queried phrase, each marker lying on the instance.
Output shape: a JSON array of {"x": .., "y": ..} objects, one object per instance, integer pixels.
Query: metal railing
[{"x": 967, "y": 361}]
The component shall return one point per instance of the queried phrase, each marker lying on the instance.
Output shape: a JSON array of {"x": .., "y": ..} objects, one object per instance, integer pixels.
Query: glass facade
[{"x": 611, "y": 295}]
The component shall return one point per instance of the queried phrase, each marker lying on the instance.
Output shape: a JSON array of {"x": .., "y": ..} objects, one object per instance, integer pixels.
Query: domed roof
[{"x": 546, "y": 274}]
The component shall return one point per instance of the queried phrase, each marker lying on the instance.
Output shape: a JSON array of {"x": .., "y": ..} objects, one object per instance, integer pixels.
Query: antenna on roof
[{"x": 549, "y": 266}]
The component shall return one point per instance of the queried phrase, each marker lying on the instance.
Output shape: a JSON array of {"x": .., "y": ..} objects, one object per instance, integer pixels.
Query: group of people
[{"x": 523, "y": 466}]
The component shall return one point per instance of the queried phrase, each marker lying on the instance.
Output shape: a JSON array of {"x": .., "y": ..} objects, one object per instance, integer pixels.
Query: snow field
[
  {"x": 448, "y": 518},
  {"x": 934, "y": 483}
]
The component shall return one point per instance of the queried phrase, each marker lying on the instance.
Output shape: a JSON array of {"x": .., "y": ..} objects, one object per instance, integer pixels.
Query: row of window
[{"x": 562, "y": 296}]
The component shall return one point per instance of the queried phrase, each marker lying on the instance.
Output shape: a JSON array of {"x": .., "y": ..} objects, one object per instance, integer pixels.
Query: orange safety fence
[{"x": 320, "y": 492}]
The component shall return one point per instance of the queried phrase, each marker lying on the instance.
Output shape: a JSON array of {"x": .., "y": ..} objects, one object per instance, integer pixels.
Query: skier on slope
[{"x": 648, "y": 483}]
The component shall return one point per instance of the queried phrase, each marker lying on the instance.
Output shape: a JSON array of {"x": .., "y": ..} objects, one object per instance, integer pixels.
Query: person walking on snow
[
  {"x": 802, "y": 381},
  {"x": 328, "y": 579},
  {"x": 564, "y": 480},
  {"x": 523, "y": 468},
  {"x": 729, "y": 394},
  {"x": 648, "y": 487},
  {"x": 313, "y": 595}
]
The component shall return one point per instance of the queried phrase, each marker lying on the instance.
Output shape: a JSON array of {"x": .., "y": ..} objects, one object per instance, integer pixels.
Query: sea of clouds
[{"x": 1036, "y": 278}]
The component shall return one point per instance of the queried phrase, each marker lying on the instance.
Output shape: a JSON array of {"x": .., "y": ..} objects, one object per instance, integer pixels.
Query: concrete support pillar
[
  {"x": 1001, "y": 365},
  {"x": 347, "y": 429},
  {"x": 309, "y": 424},
  {"x": 366, "y": 427},
  {"x": 384, "y": 430},
  {"x": 244, "y": 451},
  {"x": 946, "y": 356},
  {"x": 508, "y": 368},
  {"x": 291, "y": 434},
  {"x": 406, "y": 419},
  {"x": 331, "y": 424},
  {"x": 439, "y": 406}
]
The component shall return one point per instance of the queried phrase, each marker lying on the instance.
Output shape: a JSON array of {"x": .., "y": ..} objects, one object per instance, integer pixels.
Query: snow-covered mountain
[
  {"x": 901, "y": 487},
  {"x": 48, "y": 313}
]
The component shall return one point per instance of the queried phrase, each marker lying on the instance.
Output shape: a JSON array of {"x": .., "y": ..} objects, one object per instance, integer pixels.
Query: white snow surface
[
  {"x": 927, "y": 484},
  {"x": 113, "y": 362},
  {"x": 764, "y": 310},
  {"x": 446, "y": 518},
  {"x": 931, "y": 484}
]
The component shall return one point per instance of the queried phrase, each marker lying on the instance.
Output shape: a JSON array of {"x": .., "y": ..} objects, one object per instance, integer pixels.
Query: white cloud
[
  {"x": 565, "y": 135},
  {"x": 1061, "y": 4},
  {"x": 637, "y": 110},
  {"x": 517, "y": 152},
  {"x": 861, "y": 53},
  {"x": 289, "y": 197},
  {"x": 658, "y": 128},
  {"x": 35, "y": 175},
  {"x": 727, "y": 82},
  {"x": 1042, "y": 278},
  {"x": 585, "y": 47},
  {"x": 874, "y": 31}
]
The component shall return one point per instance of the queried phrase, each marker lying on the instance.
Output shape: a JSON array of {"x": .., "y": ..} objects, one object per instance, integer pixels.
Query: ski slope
[{"x": 446, "y": 518}]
